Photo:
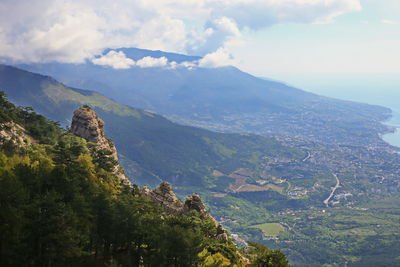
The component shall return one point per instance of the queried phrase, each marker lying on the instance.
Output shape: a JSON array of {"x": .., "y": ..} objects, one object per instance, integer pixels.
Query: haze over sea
[{"x": 379, "y": 89}]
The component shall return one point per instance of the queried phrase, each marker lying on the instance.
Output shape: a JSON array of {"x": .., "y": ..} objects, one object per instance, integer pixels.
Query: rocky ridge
[
  {"x": 166, "y": 198},
  {"x": 86, "y": 124}
]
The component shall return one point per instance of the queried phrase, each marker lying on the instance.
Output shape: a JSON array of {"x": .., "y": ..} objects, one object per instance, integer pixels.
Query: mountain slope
[
  {"x": 63, "y": 205},
  {"x": 153, "y": 149},
  {"x": 258, "y": 187},
  {"x": 225, "y": 99}
]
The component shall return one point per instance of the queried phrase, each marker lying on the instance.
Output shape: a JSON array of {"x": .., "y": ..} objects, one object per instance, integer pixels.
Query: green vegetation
[
  {"x": 61, "y": 205},
  {"x": 356, "y": 229},
  {"x": 315, "y": 235},
  {"x": 263, "y": 256},
  {"x": 60, "y": 93},
  {"x": 151, "y": 147},
  {"x": 270, "y": 229},
  {"x": 219, "y": 148},
  {"x": 39, "y": 128}
]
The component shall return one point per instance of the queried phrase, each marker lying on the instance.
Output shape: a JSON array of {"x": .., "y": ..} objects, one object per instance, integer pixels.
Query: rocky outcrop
[
  {"x": 87, "y": 125},
  {"x": 15, "y": 134},
  {"x": 194, "y": 202},
  {"x": 166, "y": 198}
]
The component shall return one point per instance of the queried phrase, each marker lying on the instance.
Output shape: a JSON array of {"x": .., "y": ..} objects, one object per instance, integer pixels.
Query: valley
[
  {"x": 213, "y": 133},
  {"x": 328, "y": 197},
  {"x": 252, "y": 182}
]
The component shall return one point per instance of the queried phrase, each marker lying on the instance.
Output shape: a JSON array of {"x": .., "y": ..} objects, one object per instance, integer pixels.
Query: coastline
[{"x": 392, "y": 137}]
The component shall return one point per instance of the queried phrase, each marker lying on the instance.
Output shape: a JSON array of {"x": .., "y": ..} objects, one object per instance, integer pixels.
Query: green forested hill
[
  {"x": 271, "y": 191},
  {"x": 152, "y": 148},
  {"x": 60, "y": 206}
]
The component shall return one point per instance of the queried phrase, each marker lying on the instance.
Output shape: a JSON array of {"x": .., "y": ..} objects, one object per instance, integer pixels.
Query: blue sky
[
  {"x": 364, "y": 41},
  {"x": 356, "y": 56}
]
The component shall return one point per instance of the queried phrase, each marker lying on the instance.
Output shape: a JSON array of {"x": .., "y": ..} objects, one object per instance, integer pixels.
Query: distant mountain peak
[{"x": 138, "y": 53}]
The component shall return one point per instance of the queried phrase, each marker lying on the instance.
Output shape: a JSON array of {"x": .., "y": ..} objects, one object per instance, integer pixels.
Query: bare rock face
[
  {"x": 165, "y": 197},
  {"x": 194, "y": 202},
  {"x": 14, "y": 133},
  {"x": 87, "y": 125}
]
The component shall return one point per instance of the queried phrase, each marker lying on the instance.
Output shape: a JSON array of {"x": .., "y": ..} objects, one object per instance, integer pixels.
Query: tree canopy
[{"x": 61, "y": 205}]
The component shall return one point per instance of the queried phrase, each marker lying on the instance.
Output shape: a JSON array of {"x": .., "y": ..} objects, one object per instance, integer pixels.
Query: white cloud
[
  {"x": 216, "y": 33},
  {"x": 74, "y": 30},
  {"x": 189, "y": 65},
  {"x": 118, "y": 60},
  {"x": 216, "y": 59},
  {"x": 151, "y": 62},
  {"x": 114, "y": 59},
  {"x": 256, "y": 14}
]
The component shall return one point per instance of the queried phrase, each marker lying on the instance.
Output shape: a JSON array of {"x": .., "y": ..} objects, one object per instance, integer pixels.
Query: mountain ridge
[
  {"x": 252, "y": 184},
  {"x": 137, "y": 53},
  {"x": 153, "y": 147},
  {"x": 64, "y": 205},
  {"x": 227, "y": 99}
]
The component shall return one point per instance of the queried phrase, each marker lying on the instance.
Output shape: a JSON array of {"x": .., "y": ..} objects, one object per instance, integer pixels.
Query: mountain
[
  {"x": 225, "y": 99},
  {"x": 63, "y": 204},
  {"x": 152, "y": 148},
  {"x": 137, "y": 53},
  {"x": 320, "y": 203}
]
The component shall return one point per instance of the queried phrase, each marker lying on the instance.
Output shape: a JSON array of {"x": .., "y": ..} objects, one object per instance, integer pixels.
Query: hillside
[
  {"x": 225, "y": 99},
  {"x": 62, "y": 205},
  {"x": 276, "y": 191},
  {"x": 152, "y": 148}
]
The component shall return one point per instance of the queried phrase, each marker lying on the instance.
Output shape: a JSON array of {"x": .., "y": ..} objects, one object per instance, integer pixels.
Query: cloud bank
[
  {"x": 75, "y": 30},
  {"x": 118, "y": 60},
  {"x": 216, "y": 59}
]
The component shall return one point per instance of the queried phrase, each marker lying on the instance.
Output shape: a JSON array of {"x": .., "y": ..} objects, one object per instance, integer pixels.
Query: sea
[
  {"x": 393, "y": 138},
  {"x": 373, "y": 88}
]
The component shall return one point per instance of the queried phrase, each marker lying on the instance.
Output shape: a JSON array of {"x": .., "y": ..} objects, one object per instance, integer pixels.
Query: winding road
[
  {"x": 308, "y": 156},
  {"x": 326, "y": 201}
]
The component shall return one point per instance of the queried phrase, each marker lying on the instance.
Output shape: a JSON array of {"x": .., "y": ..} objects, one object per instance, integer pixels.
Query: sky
[
  {"x": 259, "y": 36},
  {"x": 365, "y": 40}
]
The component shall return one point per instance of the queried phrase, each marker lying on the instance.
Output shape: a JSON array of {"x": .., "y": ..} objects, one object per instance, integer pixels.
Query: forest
[{"x": 61, "y": 205}]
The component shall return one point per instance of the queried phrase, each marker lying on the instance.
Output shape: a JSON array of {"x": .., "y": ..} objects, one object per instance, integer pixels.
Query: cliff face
[{"x": 87, "y": 125}]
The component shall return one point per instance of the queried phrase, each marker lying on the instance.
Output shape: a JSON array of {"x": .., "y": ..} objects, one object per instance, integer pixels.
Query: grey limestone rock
[{"x": 87, "y": 125}]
